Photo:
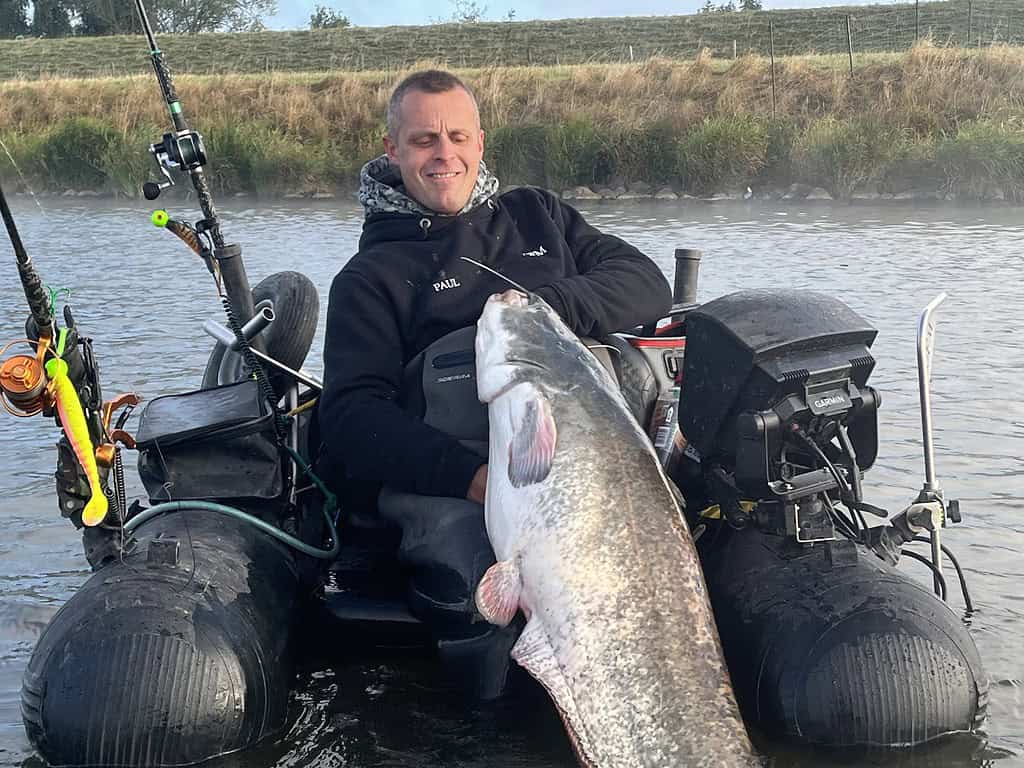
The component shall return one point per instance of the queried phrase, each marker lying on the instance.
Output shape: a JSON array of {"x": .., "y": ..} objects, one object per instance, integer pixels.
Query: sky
[{"x": 294, "y": 14}]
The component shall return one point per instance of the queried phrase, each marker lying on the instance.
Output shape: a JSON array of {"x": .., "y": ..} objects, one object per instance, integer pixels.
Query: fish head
[{"x": 519, "y": 338}]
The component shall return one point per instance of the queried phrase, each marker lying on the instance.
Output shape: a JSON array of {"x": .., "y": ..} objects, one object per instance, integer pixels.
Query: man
[{"x": 429, "y": 201}]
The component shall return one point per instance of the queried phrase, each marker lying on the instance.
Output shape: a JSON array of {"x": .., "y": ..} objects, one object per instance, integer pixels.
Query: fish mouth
[
  {"x": 515, "y": 381},
  {"x": 526, "y": 363}
]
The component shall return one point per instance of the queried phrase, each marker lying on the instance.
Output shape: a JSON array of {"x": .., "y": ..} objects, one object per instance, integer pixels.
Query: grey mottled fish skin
[{"x": 611, "y": 583}]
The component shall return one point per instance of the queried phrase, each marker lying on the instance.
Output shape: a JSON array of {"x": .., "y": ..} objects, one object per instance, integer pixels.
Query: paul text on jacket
[{"x": 444, "y": 285}]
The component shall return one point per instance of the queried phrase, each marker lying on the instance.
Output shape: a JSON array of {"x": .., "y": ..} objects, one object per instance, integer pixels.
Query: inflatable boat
[{"x": 180, "y": 647}]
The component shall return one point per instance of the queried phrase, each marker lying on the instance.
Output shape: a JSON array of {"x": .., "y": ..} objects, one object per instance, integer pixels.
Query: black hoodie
[{"x": 408, "y": 287}]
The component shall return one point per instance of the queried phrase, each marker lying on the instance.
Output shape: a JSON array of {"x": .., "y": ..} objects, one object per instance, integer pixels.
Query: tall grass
[
  {"x": 723, "y": 152},
  {"x": 983, "y": 157},
  {"x": 948, "y": 117},
  {"x": 845, "y": 155}
]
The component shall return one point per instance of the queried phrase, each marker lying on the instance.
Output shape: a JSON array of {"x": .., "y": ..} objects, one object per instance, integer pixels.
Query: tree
[
  {"x": 13, "y": 17},
  {"x": 467, "y": 11},
  {"x": 51, "y": 18},
  {"x": 191, "y": 17},
  {"x": 106, "y": 17},
  {"x": 327, "y": 18},
  {"x": 751, "y": 5},
  {"x": 56, "y": 18}
]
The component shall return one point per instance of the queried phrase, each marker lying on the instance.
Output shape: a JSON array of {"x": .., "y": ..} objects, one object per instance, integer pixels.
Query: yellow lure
[{"x": 73, "y": 420}]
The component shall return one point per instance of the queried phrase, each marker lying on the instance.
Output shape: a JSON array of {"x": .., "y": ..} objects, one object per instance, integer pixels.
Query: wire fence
[{"x": 835, "y": 30}]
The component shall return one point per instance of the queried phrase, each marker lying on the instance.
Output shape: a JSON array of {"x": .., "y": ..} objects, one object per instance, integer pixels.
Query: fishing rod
[
  {"x": 35, "y": 292},
  {"x": 62, "y": 379},
  {"x": 183, "y": 150}
]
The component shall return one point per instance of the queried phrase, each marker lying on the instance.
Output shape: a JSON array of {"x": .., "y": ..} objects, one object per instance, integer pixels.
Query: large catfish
[{"x": 592, "y": 547}]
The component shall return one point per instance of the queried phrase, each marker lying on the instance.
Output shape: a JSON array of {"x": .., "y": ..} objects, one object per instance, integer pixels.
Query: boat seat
[
  {"x": 637, "y": 381},
  {"x": 440, "y": 384}
]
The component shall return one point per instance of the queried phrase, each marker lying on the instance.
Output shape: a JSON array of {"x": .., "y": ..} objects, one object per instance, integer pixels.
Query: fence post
[
  {"x": 970, "y": 21},
  {"x": 771, "y": 52},
  {"x": 849, "y": 42},
  {"x": 631, "y": 53},
  {"x": 734, "y": 48},
  {"x": 917, "y": 20}
]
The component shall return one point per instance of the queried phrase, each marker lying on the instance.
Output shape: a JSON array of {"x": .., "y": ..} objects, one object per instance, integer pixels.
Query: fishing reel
[
  {"x": 183, "y": 151},
  {"x": 22, "y": 383}
]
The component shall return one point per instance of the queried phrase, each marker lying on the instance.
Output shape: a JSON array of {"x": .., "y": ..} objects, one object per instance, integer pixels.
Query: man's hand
[{"x": 478, "y": 486}]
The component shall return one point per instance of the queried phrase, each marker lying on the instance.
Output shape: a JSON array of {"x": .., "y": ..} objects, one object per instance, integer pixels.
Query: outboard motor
[
  {"x": 827, "y": 643},
  {"x": 775, "y": 403}
]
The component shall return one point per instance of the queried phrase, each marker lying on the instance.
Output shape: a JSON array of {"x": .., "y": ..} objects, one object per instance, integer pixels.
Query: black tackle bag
[{"x": 210, "y": 444}]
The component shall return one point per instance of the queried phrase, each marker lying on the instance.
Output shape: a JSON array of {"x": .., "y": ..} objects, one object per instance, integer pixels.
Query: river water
[{"x": 143, "y": 297}]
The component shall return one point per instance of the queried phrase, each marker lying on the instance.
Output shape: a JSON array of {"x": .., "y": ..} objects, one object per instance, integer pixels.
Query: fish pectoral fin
[
  {"x": 497, "y": 594},
  {"x": 533, "y": 652},
  {"x": 532, "y": 448}
]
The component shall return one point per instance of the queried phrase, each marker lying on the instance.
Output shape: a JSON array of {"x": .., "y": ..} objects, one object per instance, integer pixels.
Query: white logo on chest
[
  {"x": 444, "y": 285},
  {"x": 539, "y": 252}
]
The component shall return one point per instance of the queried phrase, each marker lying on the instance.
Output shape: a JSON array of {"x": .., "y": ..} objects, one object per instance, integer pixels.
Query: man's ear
[
  {"x": 481, "y": 142},
  {"x": 391, "y": 149}
]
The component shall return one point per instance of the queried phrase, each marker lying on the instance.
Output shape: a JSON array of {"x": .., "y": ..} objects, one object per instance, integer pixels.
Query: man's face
[{"x": 438, "y": 148}]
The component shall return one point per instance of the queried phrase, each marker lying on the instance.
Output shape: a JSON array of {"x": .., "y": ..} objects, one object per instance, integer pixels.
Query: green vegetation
[
  {"x": 512, "y": 43},
  {"x": 60, "y": 18},
  {"x": 939, "y": 119},
  {"x": 845, "y": 155}
]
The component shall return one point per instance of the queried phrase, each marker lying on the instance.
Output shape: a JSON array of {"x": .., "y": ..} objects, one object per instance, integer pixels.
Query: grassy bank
[
  {"x": 889, "y": 27},
  {"x": 944, "y": 119}
]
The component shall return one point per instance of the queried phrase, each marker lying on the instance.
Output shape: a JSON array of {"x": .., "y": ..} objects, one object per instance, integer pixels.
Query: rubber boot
[{"x": 479, "y": 663}]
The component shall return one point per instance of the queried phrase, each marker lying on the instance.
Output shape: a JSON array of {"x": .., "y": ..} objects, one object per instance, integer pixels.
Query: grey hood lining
[{"x": 381, "y": 190}]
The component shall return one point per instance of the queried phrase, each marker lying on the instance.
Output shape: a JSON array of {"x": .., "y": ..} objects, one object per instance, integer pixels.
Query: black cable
[
  {"x": 845, "y": 489},
  {"x": 860, "y": 519},
  {"x": 968, "y": 603},
  {"x": 844, "y": 486},
  {"x": 848, "y": 519},
  {"x": 846, "y": 527},
  {"x": 931, "y": 566},
  {"x": 256, "y": 368},
  {"x": 123, "y": 418}
]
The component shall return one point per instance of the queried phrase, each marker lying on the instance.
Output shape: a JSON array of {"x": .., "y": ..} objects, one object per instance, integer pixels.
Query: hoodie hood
[{"x": 381, "y": 190}]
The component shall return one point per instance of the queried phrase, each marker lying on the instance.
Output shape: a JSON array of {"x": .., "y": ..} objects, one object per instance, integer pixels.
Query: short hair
[{"x": 427, "y": 81}]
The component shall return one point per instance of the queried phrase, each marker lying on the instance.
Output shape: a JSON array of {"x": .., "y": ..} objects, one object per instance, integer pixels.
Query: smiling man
[
  {"x": 429, "y": 201},
  {"x": 438, "y": 153}
]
